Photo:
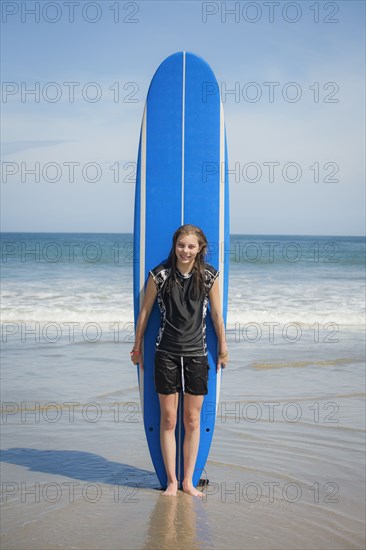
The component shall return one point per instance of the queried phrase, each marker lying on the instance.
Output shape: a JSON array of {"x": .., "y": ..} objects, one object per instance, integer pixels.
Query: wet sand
[{"x": 286, "y": 468}]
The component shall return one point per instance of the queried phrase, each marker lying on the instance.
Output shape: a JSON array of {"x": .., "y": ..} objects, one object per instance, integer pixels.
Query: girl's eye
[{"x": 191, "y": 246}]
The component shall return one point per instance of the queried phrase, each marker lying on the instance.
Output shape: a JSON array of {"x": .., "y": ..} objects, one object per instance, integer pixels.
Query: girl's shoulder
[
  {"x": 211, "y": 274},
  {"x": 211, "y": 269},
  {"x": 162, "y": 267},
  {"x": 160, "y": 273}
]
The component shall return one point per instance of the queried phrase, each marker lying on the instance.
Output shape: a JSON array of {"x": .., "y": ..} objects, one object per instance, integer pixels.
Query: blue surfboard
[{"x": 181, "y": 178}]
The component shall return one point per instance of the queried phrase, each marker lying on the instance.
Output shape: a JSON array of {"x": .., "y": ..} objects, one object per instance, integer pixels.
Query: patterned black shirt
[{"x": 183, "y": 316}]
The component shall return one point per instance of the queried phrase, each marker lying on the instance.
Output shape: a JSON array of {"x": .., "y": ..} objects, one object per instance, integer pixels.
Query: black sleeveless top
[{"x": 183, "y": 316}]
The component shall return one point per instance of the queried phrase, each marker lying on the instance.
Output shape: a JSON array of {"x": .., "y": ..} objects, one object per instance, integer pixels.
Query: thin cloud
[{"x": 12, "y": 147}]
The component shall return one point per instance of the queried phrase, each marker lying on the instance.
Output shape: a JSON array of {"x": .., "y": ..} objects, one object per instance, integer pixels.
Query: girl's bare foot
[
  {"x": 171, "y": 490},
  {"x": 190, "y": 490}
]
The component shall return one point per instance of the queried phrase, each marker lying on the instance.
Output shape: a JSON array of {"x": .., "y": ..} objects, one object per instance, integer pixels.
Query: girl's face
[{"x": 187, "y": 248}]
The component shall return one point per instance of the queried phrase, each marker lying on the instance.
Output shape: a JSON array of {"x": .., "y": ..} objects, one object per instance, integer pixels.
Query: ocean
[
  {"x": 87, "y": 277},
  {"x": 287, "y": 463}
]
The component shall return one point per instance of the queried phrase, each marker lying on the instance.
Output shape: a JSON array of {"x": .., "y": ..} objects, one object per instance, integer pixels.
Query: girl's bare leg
[
  {"x": 192, "y": 411},
  {"x": 168, "y": 420}
]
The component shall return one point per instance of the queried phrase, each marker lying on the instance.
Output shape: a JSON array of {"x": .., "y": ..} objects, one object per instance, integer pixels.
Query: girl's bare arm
[
  {"x": 218, "y": 321},
  {"x": 147, "y": 304}
]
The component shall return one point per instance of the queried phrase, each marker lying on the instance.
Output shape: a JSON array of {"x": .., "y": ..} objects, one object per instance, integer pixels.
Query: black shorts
[{"x": 173, "y": 373}]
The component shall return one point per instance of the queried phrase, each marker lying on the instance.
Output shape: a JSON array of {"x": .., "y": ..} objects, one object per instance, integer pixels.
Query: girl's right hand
[{"x": 136, "y": 358}]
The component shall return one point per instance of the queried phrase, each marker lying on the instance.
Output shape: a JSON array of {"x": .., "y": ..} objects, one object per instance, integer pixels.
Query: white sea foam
[{"x": 282, "y": 292}]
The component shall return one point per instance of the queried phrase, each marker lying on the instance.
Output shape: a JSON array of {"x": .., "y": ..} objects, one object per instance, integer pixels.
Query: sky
[{"x": 75, "y": 75}]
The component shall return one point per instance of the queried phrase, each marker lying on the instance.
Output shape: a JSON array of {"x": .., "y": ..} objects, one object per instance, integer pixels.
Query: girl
[{"x": 183, "y": 285}]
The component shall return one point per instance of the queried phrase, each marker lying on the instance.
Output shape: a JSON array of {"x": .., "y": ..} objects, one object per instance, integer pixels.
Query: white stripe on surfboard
[
  {"x": 183, "y": 129},
  {"x": 142, "y": 239},
  {"x": 182, "y": 222},
  {"x": 222, "y": 204},
  {"x": 221, "y": 229}
]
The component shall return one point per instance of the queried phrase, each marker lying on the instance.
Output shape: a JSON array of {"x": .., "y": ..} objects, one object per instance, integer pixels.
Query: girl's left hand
[{"x": 222, "y": 361}]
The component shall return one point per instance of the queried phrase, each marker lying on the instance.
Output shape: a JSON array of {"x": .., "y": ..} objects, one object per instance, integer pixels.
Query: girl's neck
[{"x": 185, "y": 269}]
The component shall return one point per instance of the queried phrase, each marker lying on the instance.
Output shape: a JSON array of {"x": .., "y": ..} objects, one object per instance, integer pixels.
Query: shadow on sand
[{"x": 81, "y": 465}]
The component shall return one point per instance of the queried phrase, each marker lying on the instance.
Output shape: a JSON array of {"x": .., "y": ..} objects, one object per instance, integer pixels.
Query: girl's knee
[
  {"x": 191, "y": 422},
  {"x": 168, "y": 421}
]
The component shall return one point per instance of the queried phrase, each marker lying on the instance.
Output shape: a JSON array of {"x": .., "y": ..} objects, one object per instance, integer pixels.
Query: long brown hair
[{"x": 199, "y": 263}]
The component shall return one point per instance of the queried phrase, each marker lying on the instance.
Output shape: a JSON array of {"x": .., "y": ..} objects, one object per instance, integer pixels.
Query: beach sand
[{"x": 286, "y": 468}]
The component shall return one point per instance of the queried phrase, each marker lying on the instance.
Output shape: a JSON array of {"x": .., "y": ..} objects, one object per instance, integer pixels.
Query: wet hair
[{"x": 199, "y": 262}]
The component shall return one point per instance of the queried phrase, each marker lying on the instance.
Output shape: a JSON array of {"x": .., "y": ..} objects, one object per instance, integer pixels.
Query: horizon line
[{"x": 131, "y": 233}]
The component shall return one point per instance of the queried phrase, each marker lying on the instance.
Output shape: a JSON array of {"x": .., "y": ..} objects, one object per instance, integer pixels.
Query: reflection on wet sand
[{"x": 178, "y": 522}]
